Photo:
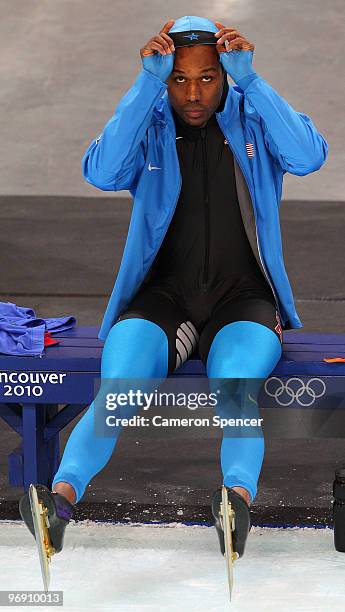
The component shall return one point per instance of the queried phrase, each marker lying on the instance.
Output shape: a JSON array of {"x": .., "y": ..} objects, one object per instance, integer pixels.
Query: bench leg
[
  {"x": 37, "y": 458},
  {"x": 53, "y": 447},
  {"x": 35, "y": 462}
]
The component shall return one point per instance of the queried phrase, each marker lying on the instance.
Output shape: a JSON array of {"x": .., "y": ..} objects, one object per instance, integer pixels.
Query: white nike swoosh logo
[
  {"x": 153, "y": 167},
  {"x": 177, "y": 137}
]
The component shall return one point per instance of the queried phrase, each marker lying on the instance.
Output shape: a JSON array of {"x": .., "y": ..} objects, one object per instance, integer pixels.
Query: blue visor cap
[
  {"x": 197, "y": 37},
  {"x": 192, "y": 30}
]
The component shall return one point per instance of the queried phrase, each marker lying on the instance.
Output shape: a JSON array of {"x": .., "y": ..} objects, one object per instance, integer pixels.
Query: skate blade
[
  {"x": 40, "y": 520},
  {"x": 227, "y": 517}
]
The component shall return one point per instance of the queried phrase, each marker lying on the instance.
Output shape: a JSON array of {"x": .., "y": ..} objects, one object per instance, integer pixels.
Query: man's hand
[
  {"x": 158, "y": 53},
  {"x": 235, "y": 52}
]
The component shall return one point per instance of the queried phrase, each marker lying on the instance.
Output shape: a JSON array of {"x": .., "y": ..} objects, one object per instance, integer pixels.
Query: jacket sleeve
[
  {"x": 115, "y": 160},
  {"x": 290, "y": 136}
]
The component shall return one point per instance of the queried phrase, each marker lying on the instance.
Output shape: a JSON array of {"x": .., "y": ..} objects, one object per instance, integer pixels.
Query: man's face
[{"x": 196, "y": 82}]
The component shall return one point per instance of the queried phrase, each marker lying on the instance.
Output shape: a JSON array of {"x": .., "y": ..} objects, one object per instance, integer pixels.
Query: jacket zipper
[
  {"x": 256, "y": 231},
  {"x": 207, "y": 214},
  {"x": 167, "y": 225}
]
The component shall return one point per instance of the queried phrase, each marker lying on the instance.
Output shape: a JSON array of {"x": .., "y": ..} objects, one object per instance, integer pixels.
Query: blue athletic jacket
[{"x": 137, "y": 151}]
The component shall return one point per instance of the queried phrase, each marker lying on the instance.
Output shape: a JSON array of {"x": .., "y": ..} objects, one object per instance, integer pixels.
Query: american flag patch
[{"x": 250, "y": 149}]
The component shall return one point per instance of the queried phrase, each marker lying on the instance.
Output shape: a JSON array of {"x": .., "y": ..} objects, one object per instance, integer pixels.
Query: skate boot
[
  {"x": 241, "y": 525},
  {"x": 57, "y": 516}
]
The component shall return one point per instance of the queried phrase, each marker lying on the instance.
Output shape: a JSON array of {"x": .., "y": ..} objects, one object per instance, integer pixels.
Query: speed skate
[
  {"x": 46, "y": 514},
  {"x": 41, "y": 523},
  {"x": 227, "y": 519}
]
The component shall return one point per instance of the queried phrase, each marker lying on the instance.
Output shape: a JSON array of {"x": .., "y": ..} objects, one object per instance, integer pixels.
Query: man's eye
[{"x": 204, "y": 77}]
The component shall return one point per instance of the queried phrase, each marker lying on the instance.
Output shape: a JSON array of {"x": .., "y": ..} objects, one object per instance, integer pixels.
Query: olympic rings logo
[{"x": 314, "y": 388}]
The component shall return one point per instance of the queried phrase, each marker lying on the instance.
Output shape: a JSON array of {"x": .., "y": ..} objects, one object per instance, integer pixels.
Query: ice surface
[{"x": 178, "y": 568}]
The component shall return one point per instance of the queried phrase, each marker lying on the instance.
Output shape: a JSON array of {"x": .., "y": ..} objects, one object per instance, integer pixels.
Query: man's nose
[{"x": 193, "y": 91}]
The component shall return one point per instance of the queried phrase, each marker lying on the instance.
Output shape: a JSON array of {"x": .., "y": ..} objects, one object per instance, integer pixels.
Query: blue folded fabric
[{"x": 22, "y": 333}]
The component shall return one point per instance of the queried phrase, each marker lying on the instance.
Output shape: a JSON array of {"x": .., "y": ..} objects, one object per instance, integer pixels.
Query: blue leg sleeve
[
  {"x": 134, "y": 348},
  {"x": 243, "y": 349}
]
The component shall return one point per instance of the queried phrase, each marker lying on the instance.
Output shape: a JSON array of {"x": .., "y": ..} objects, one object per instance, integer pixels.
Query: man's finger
[
  {"x": 167, "y": 26},
  {"x": 167, "y": 38},
  {"x": 219, "y": 25},
  {"x": 225, "y": 30},
  {"x": 245, "y": 44},
  {"x": 162, "y": 41}
]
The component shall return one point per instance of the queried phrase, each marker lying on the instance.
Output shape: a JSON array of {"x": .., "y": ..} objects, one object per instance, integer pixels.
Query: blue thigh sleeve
[
  {"x": 243, "y": 349},
  {"x": 134, "y": 348}
]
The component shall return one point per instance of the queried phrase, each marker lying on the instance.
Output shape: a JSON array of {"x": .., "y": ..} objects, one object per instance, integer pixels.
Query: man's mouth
[{"x": 194, "y": 112}]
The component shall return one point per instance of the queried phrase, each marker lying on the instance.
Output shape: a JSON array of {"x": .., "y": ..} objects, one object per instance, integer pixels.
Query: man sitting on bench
[{"x": 203, "y": 264}]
